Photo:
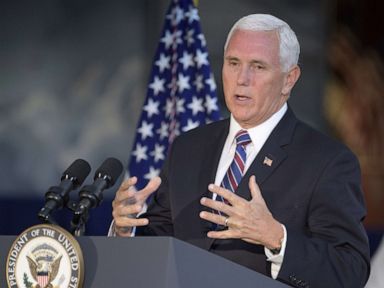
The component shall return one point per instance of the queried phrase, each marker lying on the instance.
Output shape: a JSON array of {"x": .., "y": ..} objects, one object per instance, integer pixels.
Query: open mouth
[{"x": 241, "y": 97}]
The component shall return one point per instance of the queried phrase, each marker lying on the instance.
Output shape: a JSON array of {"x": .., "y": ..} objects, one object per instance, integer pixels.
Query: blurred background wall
[{"x": 73, "y": 78}]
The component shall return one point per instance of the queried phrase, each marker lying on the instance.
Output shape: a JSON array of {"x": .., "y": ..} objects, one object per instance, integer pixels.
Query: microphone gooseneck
[{"x": 57, "y": 196}]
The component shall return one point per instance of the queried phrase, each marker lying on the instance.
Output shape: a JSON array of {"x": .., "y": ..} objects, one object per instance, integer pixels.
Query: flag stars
[
  {"x": 152, "y": 173},
  {"x": 169, "y": 107},
  {"x": 145, "y": 130},
  {"x": 152, "y": 107},
  {"x": 199, "y": 83},
  {"x": 140, "y": 152},
  {"x": 171, "y": 37},
  {"x": 176, "y": 130},
  {"x": 176, "y": 15},
  {"x": 179, "y": 15},
  {"x": 172, "y": 83},
  {"x": 192, "y": 15},
  {"x": 201, "y": 58},
  {"x": 210, "y": 104},
  {"x": 186, "y": 60},
  {"x": 167, "y": 39},
  {"x": 163, "y": 131},
  {"x": 158, "y": 153},
  {"x": 189, "y": 37},
  {"x": 211, "y": 83},
  {"x": 157, "y": 85},
  {"x": 196, "y": 105},
  {"x": 202, "y": 39},
  {"x": 163, "y": 62},
  {"x": 177, "y": 36},
  {"x": 180, "y": 106},
  {"x": 190, "y": 125},
  {"x": 183, "y": 82}
]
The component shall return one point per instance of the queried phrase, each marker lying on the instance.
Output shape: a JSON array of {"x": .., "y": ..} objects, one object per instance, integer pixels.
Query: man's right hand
[{"x": 128, "y": 203}]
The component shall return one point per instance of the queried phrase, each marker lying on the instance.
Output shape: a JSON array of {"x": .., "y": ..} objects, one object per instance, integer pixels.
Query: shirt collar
[{"x": 261, "y": 132}]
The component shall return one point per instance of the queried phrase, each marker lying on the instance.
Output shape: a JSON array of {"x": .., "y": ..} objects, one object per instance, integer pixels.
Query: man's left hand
[{"x": 250, "y": 221}]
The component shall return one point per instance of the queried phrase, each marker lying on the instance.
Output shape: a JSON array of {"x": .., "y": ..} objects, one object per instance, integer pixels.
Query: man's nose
[{"x": 243, "y": 77}]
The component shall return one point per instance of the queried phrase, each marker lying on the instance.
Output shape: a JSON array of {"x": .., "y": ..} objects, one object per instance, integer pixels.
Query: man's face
[{"x": 254, "y": 85}]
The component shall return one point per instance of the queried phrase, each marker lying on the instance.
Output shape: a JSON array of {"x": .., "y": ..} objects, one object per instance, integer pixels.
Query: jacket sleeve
[{"x": 332, "y": 250}]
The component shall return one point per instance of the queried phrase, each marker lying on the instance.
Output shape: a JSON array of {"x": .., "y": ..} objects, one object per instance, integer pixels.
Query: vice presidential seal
[{"x": 45, "y": 256}]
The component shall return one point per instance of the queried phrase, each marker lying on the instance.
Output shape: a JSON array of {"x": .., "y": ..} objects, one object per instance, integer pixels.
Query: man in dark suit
[{"x": 291, "y": 207}]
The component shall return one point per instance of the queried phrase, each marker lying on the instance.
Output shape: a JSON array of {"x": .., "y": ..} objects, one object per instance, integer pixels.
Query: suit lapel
[
  {"x": 267, "y": 161},
  {"x": 210, "y": 161},
  {"x": 271, "y": 154},
  {"x": 211, "y": 156}
]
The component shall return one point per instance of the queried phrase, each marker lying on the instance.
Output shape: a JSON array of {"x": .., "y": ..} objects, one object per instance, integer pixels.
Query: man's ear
[{"x": 290, "y": 79}]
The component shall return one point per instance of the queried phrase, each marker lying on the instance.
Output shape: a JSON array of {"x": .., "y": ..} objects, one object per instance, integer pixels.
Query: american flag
[{"x": 181, "y": 93}]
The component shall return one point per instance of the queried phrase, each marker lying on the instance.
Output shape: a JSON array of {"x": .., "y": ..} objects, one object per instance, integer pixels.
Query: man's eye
[{"x": 257, "y": 67}]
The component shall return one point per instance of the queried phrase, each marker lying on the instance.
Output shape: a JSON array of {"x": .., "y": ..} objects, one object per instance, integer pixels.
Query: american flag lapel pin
[{"x": 267, "y": 161}]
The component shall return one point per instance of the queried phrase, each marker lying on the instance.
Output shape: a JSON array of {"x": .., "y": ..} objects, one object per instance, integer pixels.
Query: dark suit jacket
[{"x": 312, "y": 187}]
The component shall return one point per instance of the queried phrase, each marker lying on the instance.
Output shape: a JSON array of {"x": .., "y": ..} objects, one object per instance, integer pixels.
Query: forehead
[{"x": 253, "y": 44}]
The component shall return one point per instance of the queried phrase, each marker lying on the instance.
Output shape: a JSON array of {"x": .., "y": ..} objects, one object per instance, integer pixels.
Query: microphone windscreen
[
  {"x": 78, "y": 170},
  {"x": 112, "y": 168}
]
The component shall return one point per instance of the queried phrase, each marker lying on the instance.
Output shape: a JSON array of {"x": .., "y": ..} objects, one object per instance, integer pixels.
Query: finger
[
  {"x": 231, "y": 197},
  {"x": 224, "y": 234},
  {"x": 151, "y": 187},
  {"x": 125, "y": 222},
  {"x": 128, "y": 183},
  {"x": 124, "y": 198},
  {"x": 255, "y": 190},
  {"x": 125, "y": 190},
  {"x": 212, "y": 217},
  {"x": 216, "y": 205},
  {"x": 127, "y": 210}
]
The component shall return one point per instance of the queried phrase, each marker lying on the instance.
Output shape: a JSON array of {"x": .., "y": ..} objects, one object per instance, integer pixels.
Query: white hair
[{"x": 289, "y": 45}]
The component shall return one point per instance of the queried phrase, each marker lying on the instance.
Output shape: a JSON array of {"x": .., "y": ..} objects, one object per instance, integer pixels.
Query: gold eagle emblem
[{"x": 44, "y": 269}]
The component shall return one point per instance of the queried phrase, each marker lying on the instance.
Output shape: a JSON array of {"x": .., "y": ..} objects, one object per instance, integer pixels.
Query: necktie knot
[
  {"x": 242, "y": 138},
  {"x": 236, "y": 170}
]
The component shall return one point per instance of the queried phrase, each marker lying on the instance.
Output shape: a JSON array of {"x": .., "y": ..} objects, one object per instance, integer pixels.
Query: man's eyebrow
[
  {"x": 255, "y": 61},
  {"x": 231, "y": 58}
]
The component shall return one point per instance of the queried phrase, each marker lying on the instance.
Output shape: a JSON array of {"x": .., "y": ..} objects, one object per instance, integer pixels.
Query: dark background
[{"x": 73, "y": 78}]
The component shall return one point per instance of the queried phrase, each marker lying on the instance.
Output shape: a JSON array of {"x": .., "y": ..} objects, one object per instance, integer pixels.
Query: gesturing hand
[
  {"x": 128, "y": 203},
  {"x": 250, "y": 221}
]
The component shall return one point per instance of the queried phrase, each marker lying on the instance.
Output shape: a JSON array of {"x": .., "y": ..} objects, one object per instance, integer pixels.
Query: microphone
[
  {"x": 105, "y": 177},
  {"x": 57, "y": 196}
]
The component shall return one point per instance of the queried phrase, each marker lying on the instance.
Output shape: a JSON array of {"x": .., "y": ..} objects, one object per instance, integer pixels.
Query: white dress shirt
[{"x": 258, "y": 135}]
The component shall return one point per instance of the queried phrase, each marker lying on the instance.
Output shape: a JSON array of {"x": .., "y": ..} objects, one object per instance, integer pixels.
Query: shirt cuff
[
  {"x": 277, "y": 259},
  {"x": 112, "y": 230}
]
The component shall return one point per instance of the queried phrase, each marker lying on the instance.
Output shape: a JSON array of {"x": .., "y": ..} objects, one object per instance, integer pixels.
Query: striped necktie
[{"x": 235, "y": 171}]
